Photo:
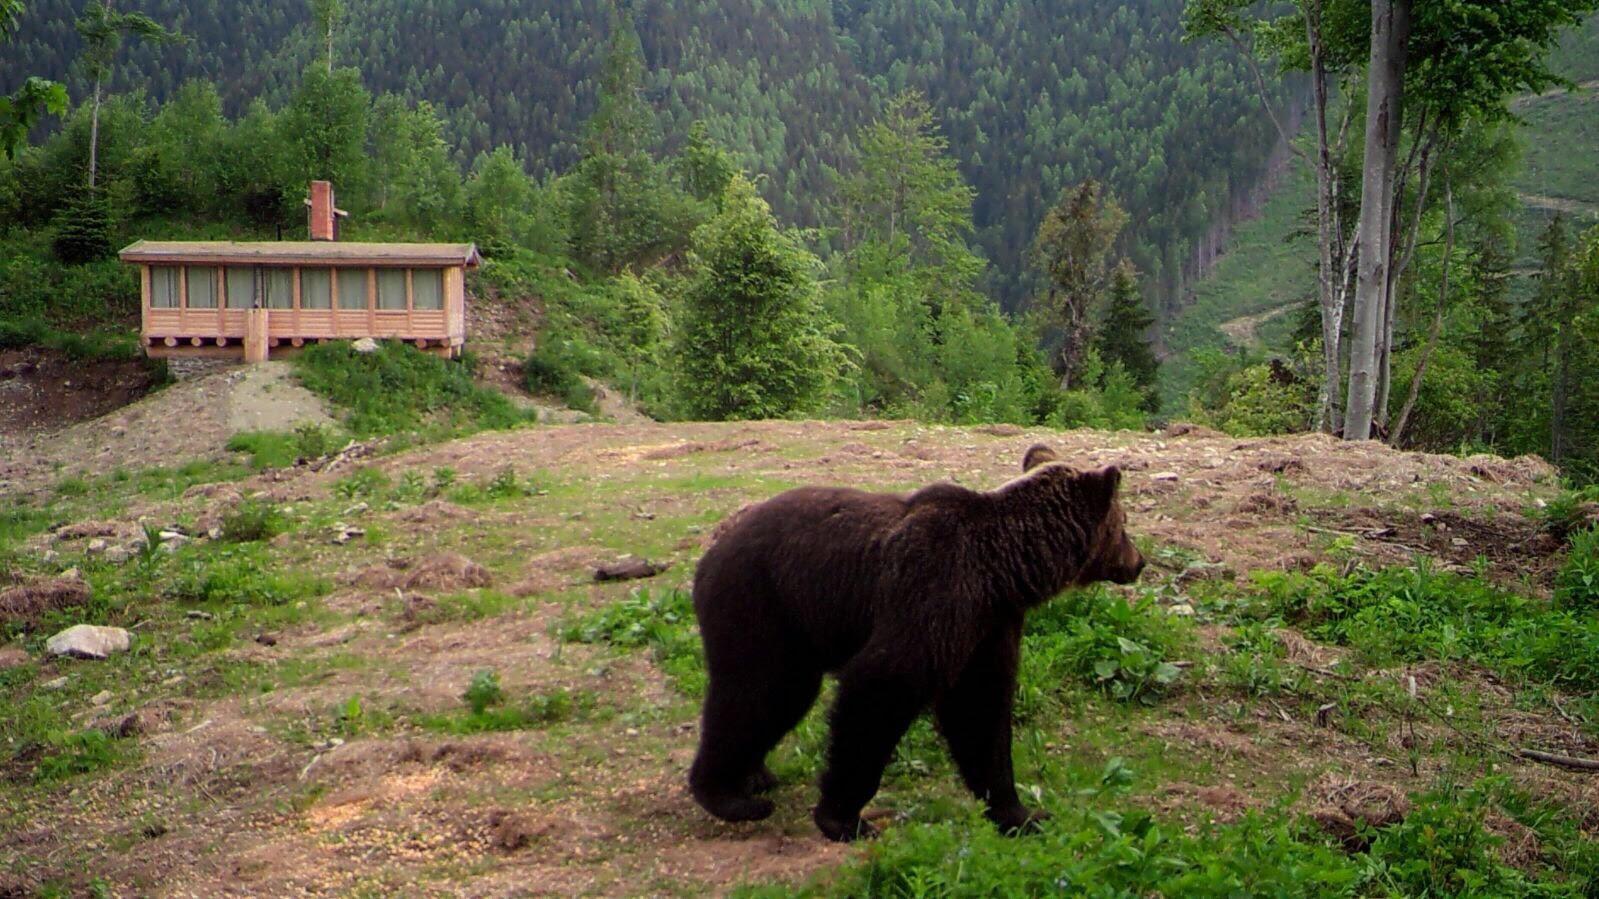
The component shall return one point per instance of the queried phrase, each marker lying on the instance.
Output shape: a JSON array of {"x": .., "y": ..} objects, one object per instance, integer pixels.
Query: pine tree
[
  {"x": 753, "y": 341},
  {"x": 1124, "y": 334}
]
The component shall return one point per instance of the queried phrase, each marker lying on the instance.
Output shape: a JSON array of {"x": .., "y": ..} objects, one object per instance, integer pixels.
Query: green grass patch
[
  {"x": 399, "y": 388},
  {"x": 485, "y": 714},
  {"x": 1396, "y": 615}
]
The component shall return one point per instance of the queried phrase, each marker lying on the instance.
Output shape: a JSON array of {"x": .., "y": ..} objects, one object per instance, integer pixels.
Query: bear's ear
[
  {"x": 1101, "y": 486},
  {"x": 1037, "y": 455}
]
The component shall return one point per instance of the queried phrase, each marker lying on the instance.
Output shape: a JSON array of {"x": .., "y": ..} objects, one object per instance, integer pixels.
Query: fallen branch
[{"x": 1570, "y": 763}]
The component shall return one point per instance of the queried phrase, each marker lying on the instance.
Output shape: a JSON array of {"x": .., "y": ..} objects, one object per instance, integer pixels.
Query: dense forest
[{"x": 1032, "y": 97}]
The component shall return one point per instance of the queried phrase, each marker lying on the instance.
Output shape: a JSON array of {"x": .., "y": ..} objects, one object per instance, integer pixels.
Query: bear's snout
[{"x": 1129, "y": 565}]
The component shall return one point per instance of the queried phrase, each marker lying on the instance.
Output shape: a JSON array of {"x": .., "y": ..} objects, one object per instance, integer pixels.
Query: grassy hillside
[
  {"x": 1269, "y": 266},
  {"x": 398, "y": 675}
]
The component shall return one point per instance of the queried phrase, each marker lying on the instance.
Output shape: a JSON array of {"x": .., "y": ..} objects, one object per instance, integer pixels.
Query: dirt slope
[{"x": 184, "y": 421}]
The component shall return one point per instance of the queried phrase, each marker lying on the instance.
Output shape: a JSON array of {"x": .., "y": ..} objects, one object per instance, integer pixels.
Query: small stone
[
  {"x": 356, "y": 509},
  {"x": 1459, "y": 541},
  {"x": 101, "y": 698},
  {"x": 1183, "y": 609},
  {"x": 266, "y": 640},
  {"x": 343, "y": 534},
  {"x": 88, "y": 641},
  {"x": 365, "y": 345},
  {"x": 199, "y": 615},
  {"x": 96, "y": 547},
  {"x": 59, "y": 683},
  {"x": 12, "y": 657},
  {"x": 1166, "y": 476}
]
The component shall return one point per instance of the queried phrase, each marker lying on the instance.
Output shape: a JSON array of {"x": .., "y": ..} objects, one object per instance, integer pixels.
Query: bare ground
[{"x": 241, "y": 792}]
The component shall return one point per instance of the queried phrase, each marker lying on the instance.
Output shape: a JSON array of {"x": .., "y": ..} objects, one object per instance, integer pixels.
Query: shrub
[
  {"x": 251, "y": 520},
  {"x": 550, "y": 371},
  {"x": 483, "y": 691}
]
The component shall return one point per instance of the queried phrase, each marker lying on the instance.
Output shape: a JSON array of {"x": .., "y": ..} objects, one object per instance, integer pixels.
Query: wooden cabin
[{"x": 228, "y": 298}]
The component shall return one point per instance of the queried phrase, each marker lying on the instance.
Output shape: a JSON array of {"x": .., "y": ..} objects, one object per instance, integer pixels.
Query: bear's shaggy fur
[{"x": 912, "y": 602}]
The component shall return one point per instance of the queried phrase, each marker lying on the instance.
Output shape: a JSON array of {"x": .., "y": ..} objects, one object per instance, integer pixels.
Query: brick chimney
[{"x": 324, "y": 215}]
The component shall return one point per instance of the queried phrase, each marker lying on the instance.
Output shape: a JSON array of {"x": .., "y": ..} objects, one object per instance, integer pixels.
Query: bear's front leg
[
  {"x": 871, "y": 714},
  {"x": 974, "y": 716}
]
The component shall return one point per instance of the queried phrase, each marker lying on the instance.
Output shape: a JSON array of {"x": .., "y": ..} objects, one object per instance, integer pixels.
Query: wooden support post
[{"x": 255, "y": 335}]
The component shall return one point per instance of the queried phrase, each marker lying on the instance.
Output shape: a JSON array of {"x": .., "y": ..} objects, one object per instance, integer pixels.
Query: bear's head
[{"x": 1111, "y": 553}]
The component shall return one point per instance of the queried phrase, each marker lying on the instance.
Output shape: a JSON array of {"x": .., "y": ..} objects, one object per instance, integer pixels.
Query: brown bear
[{"x": 911, "y": 601}]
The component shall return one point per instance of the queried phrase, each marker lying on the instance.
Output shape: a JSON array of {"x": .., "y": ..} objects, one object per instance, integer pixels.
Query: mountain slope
[{"x": 1033, "y": 97}]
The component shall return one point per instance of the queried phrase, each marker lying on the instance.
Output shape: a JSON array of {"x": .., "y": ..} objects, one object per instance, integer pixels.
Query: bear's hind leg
[{"x": 747, "y": 714}]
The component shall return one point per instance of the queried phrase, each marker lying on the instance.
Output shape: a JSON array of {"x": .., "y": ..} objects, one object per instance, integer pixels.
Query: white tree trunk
[
  {"x": 1390, "y": 33},
  {"x": 94, "y": 134}
]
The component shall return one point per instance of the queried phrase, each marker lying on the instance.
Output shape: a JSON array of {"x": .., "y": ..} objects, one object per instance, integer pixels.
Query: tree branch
[{"x": 1265, "y": 95}]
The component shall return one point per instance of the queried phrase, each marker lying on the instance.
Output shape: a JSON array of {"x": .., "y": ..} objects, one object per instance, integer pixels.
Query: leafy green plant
[
  {"x": 1256, "y": 664},
  {"x": 313, "y": 441},
  {"x": 661, "y": 619},
  {"x": 1577, "y": 583},
  {"x": 361, "y": 483},
  {"x": 1101, "y": 640},
  {"x": 1442, "y": 848}
]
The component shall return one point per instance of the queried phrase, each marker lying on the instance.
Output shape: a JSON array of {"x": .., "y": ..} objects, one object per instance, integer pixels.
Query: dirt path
[
  {"x": 1558, "y": 204},
  {"x": 1526, "y": 100},
  {"x": 1243, "y": 330}
]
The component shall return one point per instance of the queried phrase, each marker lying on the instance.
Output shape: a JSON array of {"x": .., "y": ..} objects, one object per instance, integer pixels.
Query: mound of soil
[
  {"x": 444, "y": 571},
  {"x": 28, "y": 602}
]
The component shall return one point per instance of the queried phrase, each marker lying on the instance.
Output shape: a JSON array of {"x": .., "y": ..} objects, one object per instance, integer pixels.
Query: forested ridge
[{"x": 1033, "y": 97}]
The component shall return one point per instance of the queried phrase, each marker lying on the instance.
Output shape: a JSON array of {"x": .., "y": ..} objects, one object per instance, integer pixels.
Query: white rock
[
  {"x": 1166, "y": 476},
  {"x": 59, "y": 683},
  {"x": 1182, "y": 609},
  {"x": 101, "y": 698},
  {"x": 88, "y": 641},
  {"x": 96, "y": 546},
  {"x": 118, "y": 555},
  {"x": 365, "y": 345}
]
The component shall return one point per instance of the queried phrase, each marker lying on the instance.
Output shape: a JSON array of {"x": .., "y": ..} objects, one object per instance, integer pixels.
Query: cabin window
[
  {"x": 427, "y": 288},
  {"x": 241, "y": 287},
  {"x": 352, "y": 288},
  {"x": 316, "y": 288},
  {"x": 391, "y": 289},
  {"x": 164, "y": 291},
  {"x": 202, "y": 287},
  {"x": 277, "y": 288}
]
